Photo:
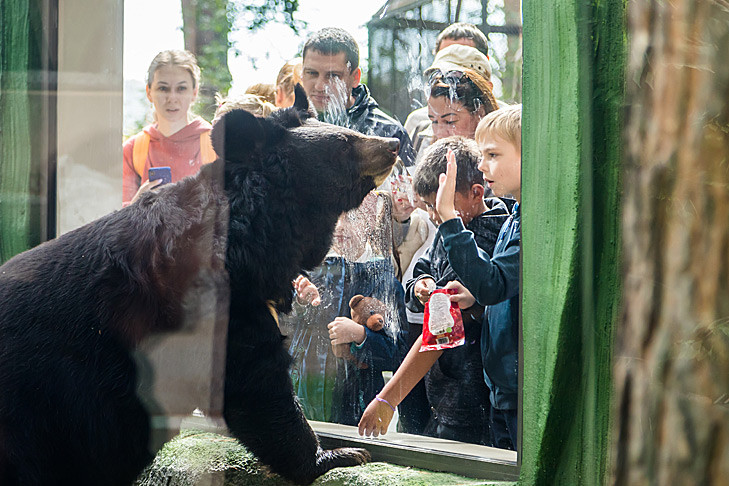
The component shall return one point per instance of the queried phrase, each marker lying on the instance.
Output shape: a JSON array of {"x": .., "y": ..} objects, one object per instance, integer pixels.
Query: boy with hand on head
[
  {"x": 454, "y": 381},
  {"x": 491, "y": 281}
]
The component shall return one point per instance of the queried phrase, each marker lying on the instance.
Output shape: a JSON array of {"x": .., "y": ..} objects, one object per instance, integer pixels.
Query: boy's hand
[
  {"x": 423, "y": 288},
  {"x": 306, "y": 292},
  {"x": 444, "y": 199},
  {"x": 344, "y": 330},
  {"x": 462, "y": 297},
  {"x": 375, "y": 419}
]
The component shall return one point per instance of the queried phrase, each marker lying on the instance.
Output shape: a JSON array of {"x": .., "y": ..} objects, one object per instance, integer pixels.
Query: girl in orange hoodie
[{"x": 176, "y": 139}]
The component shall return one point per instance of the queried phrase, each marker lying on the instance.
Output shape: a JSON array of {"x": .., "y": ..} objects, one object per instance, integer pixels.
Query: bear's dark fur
[{"x": 72, "y": 309}]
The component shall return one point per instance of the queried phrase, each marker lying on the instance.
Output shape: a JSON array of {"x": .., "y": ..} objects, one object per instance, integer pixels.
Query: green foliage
[
  {"x": 261, "y": 12},
  {"x": 208, "y": 24}
]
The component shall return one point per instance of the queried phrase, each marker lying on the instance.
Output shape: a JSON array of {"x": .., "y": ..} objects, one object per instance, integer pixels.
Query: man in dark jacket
[{"x": 331, "y": 77}]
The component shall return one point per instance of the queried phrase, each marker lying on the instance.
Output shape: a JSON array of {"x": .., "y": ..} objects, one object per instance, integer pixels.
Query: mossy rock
[{"x": 196, "y": 458}]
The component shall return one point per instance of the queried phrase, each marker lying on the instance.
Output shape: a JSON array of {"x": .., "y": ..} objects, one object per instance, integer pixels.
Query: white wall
[{"x": 89, "y": 109}]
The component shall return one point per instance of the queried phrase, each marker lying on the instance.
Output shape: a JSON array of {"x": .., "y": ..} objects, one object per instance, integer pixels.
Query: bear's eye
[{"x": 372, "y": 313}]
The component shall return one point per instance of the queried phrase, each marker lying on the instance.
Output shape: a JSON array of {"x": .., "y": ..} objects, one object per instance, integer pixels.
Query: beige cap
[{"x": 457, "y": 57}]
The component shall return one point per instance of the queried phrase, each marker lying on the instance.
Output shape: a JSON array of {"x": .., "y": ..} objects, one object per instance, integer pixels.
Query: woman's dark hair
[
  {"x": 433, "y": 164},
  {"x": 467, "y": 87}
]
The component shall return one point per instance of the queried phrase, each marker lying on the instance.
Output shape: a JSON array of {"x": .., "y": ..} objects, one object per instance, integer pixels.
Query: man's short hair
[
  {"x": 333, "y": 40},
  {"x": 434, "y": 163},
  {"x": 505, "y": 123},
  {"x": 464, "y": 30}
]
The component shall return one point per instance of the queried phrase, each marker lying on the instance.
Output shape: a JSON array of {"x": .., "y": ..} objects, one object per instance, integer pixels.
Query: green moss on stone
[{"x": 196, "y": 457}]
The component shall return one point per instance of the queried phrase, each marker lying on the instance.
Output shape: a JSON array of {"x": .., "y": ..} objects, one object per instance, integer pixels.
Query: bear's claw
[{"x": 343, "y": 457}]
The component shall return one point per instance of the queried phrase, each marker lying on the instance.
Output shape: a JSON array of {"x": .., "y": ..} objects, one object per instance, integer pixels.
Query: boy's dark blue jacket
[{"x": 494, "y": 282}]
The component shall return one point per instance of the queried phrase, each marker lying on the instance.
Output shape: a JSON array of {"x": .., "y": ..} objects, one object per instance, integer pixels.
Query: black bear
[{"x": 73, "y": 309}]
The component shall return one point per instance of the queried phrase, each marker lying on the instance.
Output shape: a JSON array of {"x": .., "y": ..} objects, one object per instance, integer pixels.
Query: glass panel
[{"x": 69, "y": 109}]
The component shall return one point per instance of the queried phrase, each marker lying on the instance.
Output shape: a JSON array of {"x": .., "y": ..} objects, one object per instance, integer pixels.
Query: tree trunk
[
  {"x": 672, "y": 349},
  {"x": 206, "y": 26}
]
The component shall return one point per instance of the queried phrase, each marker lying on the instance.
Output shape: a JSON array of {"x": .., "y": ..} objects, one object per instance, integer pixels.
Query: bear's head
[
  {"x": 368, "y": 312},
  {"x": 322, "y": 162},
  {"x": 288, "y": 177}
]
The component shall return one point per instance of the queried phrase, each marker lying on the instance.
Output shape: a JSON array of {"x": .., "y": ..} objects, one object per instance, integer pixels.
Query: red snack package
[{"x": 442, "y": 324}]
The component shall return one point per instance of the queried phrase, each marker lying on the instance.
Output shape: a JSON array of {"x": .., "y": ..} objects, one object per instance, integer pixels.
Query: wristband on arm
[{"x": 384, "y": 401}]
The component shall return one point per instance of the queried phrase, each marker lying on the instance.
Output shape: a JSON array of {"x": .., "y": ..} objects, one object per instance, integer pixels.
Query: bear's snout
[
  {"x": 378, "y": 155},
  {"x": 394, "y": 145}
]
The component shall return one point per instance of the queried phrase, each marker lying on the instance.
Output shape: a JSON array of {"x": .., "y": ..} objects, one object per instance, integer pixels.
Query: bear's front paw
[{"x": 343, "y": 457}]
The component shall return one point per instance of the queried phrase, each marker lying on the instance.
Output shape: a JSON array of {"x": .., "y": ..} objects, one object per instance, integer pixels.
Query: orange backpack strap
[
  {"x": 140, "y": 151},
  {"x": 206, "y": 148}
]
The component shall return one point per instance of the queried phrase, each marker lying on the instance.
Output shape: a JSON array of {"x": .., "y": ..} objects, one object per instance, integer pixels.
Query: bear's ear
[
  {"x": 301, "y": 103},
  {"x": 355, "y": 300},
  {"x": 237, "y": 134}
]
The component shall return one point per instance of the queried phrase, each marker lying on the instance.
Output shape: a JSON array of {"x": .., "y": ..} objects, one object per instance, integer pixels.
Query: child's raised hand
[
  {"x": 423, "y": 288},
  {"x": 445, "y": 198},
  {"x": 462, "y": 297},
  {"x": 375, "y": 419},
  {"x": 306, "y": 292}
]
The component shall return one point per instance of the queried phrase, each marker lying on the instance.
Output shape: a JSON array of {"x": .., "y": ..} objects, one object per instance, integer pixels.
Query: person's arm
[
  {"x": 490, "y": 280},
  {"x": 421, "y": 270},
  {"x": 378, "y": 414}
]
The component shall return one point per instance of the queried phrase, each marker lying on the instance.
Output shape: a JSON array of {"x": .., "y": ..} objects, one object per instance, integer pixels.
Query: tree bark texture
[
  {"x": 206, "y": 26},
  {"x": 672, "y": 352}
]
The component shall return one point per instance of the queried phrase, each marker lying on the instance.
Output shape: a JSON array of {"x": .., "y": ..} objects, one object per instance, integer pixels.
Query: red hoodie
[{"x": 180, "y": 151}]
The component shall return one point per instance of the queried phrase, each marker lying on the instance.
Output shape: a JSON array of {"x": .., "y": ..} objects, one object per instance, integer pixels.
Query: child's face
[
  {"x": 501, "y": 166},
  {"x": 463, "y": 202},
  {"x": 172, "y": 93}
]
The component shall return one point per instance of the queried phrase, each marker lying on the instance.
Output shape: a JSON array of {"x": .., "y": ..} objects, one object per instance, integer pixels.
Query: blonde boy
[{"x": 490, "y": 281}]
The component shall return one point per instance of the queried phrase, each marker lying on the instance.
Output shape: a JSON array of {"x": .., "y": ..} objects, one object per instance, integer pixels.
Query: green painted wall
[
  {"x": 574, "y": 57},
  {"x": 15, "y": 137},
  {"x": 24, "y": 124}
]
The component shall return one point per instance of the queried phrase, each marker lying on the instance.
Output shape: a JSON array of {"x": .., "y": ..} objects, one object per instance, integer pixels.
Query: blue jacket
[{"x": 494, "y": 282}]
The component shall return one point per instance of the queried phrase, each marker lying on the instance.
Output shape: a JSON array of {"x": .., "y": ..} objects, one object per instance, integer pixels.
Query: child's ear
[{"x": 477, "y": 191}]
